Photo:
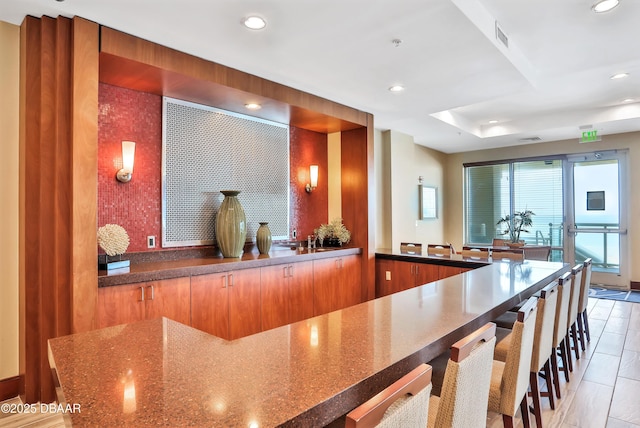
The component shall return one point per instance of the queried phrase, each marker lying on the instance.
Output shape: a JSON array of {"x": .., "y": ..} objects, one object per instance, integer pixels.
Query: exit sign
[{"x": 590, "y": 136}]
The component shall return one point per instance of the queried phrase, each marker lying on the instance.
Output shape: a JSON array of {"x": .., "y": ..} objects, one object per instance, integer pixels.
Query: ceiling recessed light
[
  {"x": 253, "y": 106},
  {"x": 396, "y": 88},
  {"x": 619, "y": 76},
  {"x": 493, "y": 121},
  {"x": 604, "y": 6},
  {"x": 254, "y": 22},
  {"x": 628, "y": 100}
]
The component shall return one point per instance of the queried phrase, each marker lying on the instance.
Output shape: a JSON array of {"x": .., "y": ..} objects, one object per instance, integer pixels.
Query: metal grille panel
[{"x": 206, "y": 150}]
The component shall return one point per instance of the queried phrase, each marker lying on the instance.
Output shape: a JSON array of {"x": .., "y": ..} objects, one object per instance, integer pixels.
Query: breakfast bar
[{"x": 309, "y": 373}]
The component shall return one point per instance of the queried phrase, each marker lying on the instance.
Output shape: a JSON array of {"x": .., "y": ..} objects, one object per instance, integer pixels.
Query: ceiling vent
[
  {"x": 529, "y": 139},
  {"x": 500, "y": 35}
]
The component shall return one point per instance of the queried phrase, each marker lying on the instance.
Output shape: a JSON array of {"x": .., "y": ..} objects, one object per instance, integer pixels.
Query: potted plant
[
  {"x": 333, "y": 234},
  {"x": 516, "y": 223}
]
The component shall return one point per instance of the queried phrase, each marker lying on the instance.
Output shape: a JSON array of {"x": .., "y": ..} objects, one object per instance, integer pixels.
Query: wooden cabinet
[
  {"x": 447, "y": 271},
  {"x": 122, "y": 304},
  {"x": 336, "y": 283},
  {"x": 393, "y": 276},
  {"x": 227, "y": 304},
  {"x": 287, "y": 294}
]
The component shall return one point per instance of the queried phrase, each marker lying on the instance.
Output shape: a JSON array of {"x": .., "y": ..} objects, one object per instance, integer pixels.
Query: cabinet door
[
  {"x": 350, "y": 284},
  {"x": 404, "y": 276},
  {"x": 447, "y": 271},
  {"x": 301, "y": 291},
  {"x": 210, "y": 304},
  {"x": 274, "y": 285},
  {"x": 121, "y": 304},
  {"x": 325, "y": 286},
  {"x": 169, "y": 298},
  {"x": 244, "y": 303},
  {"x": 385, "y": 277},
  {"x": 425, "y": 273}
]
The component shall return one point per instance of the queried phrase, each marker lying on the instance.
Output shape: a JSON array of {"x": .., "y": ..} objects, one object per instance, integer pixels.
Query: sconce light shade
[
  {"x": 128, "y": 153},
  {"x": 313, "y": 178}
]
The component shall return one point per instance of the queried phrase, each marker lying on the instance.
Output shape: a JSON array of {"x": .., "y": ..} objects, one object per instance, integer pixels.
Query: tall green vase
[
  {"x": 231, "y": 225},
  {"x": 263, "y": 238}
]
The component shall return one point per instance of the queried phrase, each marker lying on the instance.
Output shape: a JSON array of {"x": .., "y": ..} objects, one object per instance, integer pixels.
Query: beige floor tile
[
  {"x": 615, "y": 423},
  {"x": 632, "y": 343},
  {"x": 596, "y": 327},
  {"x": 600, "y": 312},
  {"x": 602, "y": 369},
  {"x": 634, "y": 320},
  {"x": 621, "y": 310},
  {"x": 590, "y": 405},
  {"x": 611, "y": 343},
  {"x": 616, "y": 325},
  {"x": 630, "y": 365},
  {"x": 624, "y": 405}
]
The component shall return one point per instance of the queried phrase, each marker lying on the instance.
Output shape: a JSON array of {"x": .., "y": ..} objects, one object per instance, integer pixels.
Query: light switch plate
[
  {"x": 151, "y": 242},
  {"x": 387, "y": 275}
]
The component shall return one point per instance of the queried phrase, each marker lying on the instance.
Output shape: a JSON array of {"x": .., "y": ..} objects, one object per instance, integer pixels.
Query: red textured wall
[{"x": 137, "y": 116}]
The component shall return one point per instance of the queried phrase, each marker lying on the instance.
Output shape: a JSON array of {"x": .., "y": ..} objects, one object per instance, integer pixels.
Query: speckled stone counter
[
  {"x": 167, "y": 269},
  {"x": 162, "y": 373}
]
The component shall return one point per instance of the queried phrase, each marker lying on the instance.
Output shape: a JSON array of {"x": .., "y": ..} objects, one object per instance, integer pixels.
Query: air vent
[
  {"x": 530, "y": 139},
  {"x": 500, "y": 35}
]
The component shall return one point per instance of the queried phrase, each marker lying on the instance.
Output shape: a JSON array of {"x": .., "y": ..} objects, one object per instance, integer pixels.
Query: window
[{"x": 495, "y": 190}]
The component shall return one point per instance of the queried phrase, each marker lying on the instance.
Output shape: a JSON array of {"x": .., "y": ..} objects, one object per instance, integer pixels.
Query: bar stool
[
  {"x": 560, "y": 330},
  {"x": 511, "y": 254},
  {"x": 405, "y": 403},
  {"x": 439, "y": 250},
  {"x": 576, "y": 280},
  {"x": 465, "y": 389},
  {"x": 509, "y": 378},
  {"x": 542, "y": 347},
  {"x": 583, "y": 319},
  {"x": 473, "y": 252}
]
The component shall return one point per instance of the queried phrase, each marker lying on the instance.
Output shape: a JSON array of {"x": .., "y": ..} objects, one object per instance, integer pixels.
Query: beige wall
[
  {"x": 454, "y": 179},
  {"x": 400, "y": 164},
  {"x": 9, "y": 123}
]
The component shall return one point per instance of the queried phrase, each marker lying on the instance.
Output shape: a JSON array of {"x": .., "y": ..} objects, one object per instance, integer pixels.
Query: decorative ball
[{"x": 113, "y": 239}]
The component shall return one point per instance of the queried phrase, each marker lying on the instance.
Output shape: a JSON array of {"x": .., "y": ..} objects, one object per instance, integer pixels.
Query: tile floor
[{"x": 604, "y": 390}]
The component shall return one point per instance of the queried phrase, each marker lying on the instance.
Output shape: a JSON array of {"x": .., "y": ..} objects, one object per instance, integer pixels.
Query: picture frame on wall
[{"x": 428, "y": 202}]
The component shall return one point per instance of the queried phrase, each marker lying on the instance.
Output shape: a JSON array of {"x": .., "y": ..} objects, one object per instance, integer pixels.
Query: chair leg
[
  {"x": 507, "y": 421},
  {"x": 567, "y": 352},
  {"x": 535, "y": 397},
  {"x": 574, "y": 335},
  {"x": 549, "y": 392},
  {"x": 586, "y": 325},
  {"x": 554, "y": 369},
  {"x": 524, "y": 409},
  {"x": 581, "y": 332},
  {"x": 563, "y": 355}
]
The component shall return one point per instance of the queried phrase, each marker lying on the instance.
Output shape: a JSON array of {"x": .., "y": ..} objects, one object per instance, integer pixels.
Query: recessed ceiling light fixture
[
  {"x": 253, "y": 106},
  {"x": 254, "y": 22},
  {"x": 604, "y": 5},
  {"x": 628, "y": 100},
  {"x": 493, "y": 121},
  {"x": 619, "y": 76},
  {"x": 396, "y": 88}
]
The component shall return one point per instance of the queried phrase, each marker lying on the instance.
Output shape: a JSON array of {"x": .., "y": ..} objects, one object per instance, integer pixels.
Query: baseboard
[
  {"x": 10, "y": 387},
  {"x": 635, "y": 285}
]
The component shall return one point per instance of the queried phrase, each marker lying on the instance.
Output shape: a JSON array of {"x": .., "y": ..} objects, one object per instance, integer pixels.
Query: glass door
[{"x": 596, "y": 217}]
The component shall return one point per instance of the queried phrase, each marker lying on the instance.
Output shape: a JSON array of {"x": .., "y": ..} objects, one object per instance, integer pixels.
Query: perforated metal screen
[{"x": 206, "y": 150}]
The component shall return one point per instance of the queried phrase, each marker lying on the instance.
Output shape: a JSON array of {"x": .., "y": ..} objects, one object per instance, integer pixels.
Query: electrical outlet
[
  {"x": 151, "y": 242},
  {"x": 387, "y": 275}
]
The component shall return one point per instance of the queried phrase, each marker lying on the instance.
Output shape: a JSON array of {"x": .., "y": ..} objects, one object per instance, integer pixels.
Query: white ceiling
[{"x": 551, "y": 80}]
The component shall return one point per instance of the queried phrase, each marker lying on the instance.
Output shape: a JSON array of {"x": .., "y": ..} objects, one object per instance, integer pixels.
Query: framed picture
[{"x": 428, "y": 201}]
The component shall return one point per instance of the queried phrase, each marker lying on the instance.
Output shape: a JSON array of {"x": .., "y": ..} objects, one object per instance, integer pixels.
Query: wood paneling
[
  {"x": 10, "y": 387},
  {"x": 48, "y": 204},
  {"x": 138, "y": 64}
]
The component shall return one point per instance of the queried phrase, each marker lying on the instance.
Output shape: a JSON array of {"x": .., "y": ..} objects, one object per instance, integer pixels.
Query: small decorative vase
[
  {"x": 263, "y": 238},
  {"x": 231, "y": 225}
]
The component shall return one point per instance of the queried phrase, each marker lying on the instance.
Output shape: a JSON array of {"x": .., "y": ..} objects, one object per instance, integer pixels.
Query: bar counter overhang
[{"x": 310, "y": 373}]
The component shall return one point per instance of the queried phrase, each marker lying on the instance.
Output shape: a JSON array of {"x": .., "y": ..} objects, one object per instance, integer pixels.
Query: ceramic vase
[
  {"x": 263, "y": 238},
  {"x": 231, "y": 225}
]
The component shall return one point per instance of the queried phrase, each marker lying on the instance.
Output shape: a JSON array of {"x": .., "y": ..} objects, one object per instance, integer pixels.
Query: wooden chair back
[
  {"x": 537, "y": 252},
  {"x": 439, "y": 249},
  {"x": 511, "y": 254},
  {"x": 482, "y": 253},
  {"x": 465, "y": 388},
  {"x": 411, "y": 410},
  {"x": 498, "y": 242},
  {"x": 410, "y": 248}
]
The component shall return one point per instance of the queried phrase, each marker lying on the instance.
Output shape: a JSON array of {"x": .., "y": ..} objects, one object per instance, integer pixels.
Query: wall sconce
[
  {"x": 313, "y": 178},
  {"x": 128, "y": 151}
]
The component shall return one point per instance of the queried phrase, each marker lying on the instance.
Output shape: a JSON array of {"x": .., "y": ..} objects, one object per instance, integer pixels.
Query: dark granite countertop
[
  {"x": 162, "y": 373},
  {"x": 213, "y": 263},
  {"x": 455, "y": 260}
]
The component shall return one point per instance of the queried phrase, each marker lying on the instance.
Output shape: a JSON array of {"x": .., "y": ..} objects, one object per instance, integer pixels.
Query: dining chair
[
  {"x": 475, "y": 252},
  {"x": 583, "y": 319},
  {"x": 497, "y": 242},
  {"x": 542, "y": 347},
  {"x": 537, "y": 252},
  {"x": 465, "y": 389},
  {"x": 511, "y": 254},
  {"x": 439, "y": 249},
  {"x": 405, "y": 403},
  {"x": 572, "y": 320},
  {"x": 560, "y": 330},
  {"x": 510, "y": 378},
  {"x": 410, "y": 248}
]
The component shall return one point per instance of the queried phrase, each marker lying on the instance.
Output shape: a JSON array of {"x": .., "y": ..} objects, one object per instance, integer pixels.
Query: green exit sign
[{"x": 590, "y": 136}]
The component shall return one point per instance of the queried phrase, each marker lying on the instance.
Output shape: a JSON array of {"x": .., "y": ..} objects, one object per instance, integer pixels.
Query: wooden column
[{"x": 52, "y": 196}]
